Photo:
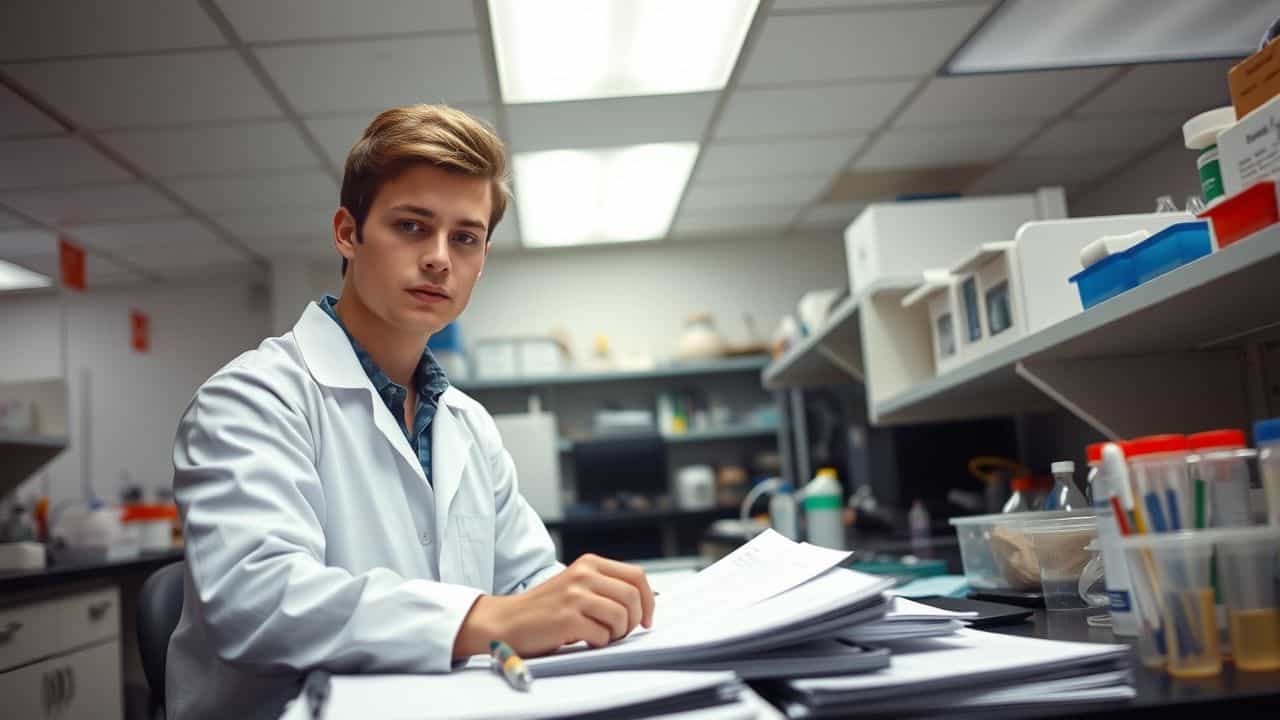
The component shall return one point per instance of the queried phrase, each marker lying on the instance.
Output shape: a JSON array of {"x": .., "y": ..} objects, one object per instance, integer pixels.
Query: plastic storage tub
[
  {"x": 1244, "y": 213},
  {"x": 998, "y": 553},
  {"x": 1105, "y": 279},
  {"x": 1170, "y": 248}
]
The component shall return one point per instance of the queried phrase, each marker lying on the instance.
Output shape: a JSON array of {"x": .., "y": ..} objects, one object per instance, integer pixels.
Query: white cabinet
[{"x": 60, "y": 658}]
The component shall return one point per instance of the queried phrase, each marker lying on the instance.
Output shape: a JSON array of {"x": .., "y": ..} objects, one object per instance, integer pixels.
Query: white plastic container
[
  {"x": 783, "y": 515},
  {"x": 997, "y": 552},
  {"x": 824, "y": 510},
  {"x": 1200, "y": 133},
  {"x": 1266, "y": 434},
  {"x": 1119, "y": 587},
  {"x": 1221, "y": 461}
]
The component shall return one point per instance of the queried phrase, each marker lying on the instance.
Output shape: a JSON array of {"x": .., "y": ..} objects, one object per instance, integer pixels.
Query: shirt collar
[{"x": 428, "y": 377}]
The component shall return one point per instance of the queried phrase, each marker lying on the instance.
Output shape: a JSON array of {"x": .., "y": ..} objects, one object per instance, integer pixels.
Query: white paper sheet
[{"x": 478, "y": 694}]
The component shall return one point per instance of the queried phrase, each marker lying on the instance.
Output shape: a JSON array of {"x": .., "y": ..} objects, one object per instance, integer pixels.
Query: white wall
[
  {"x": 1171, "y": 170},
  {"x": 640, "y": 296},
  {"x": 135, "y": 399}
]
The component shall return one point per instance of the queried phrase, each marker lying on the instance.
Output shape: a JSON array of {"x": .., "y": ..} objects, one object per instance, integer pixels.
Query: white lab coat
[{"x": 313, "y": 537}]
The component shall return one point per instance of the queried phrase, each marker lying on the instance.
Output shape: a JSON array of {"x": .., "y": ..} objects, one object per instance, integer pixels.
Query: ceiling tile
[
  {"x": 118, "y": 237},
  {"x": 91, "y": 204},
  {"x": 710, "y": 222},
  {"x": 19, "y": 117},
  {"x": 98, "y": 271},
  {"x": 871, "y": 44},
  {"x": 266, "y": 192},
  {"x": 943, "y": 147},
  {"x": 54, "y": 162},
  {"x": 149, "y": 91},
  {"x": 1022, "y": 174},
  {"x": 8, "y": 220},
  {"x": 816, "y": 156},
  {"x": 829, "y": 215},
  {"x": 258, "y": 21},
  {"x": 183, "y": 254},
  {"x": 378, "y": 74},
  {"x": 1188, "y": 87},
  {"x": 975, "y": 99},
  {"x": 212, "y": 150},
  {"x": 609, "y": 123},
  {"x": 294, "y": 223},
  {"x": 28, "y": 242},
  {"x": 337, "y": 133},
  {"x": 810, "y": 111},
  {"x": 786, "y": 192},
  {"x": 1098, "y": 134},
  {"x": 59, "y": 28}
]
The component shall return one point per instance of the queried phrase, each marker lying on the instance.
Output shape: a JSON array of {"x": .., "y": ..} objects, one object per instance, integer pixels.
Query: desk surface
[{"x": 22, "y": 580}]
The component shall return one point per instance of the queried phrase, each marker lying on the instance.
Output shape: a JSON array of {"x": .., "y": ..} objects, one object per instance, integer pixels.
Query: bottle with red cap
[
  {"x": 1221, "y": 462},
  {"x": 1021, "y": 500},
  {"x": 1162, "y": 482}
]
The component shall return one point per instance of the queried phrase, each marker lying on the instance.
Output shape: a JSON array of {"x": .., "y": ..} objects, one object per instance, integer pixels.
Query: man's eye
[
  {"x": 466, "y": 239},
  {"x": 409, "y": 225}
]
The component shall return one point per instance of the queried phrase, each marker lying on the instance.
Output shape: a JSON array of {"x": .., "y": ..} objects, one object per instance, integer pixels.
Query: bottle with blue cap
[{"x": 1266, "y": 435}]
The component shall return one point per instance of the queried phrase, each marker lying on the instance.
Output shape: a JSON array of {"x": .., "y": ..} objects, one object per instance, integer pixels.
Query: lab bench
[{"x": 68, "y": 641}]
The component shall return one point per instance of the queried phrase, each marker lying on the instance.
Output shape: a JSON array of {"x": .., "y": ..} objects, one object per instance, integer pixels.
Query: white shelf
[
  {"x": 749, "y": 363},
  {"x": 1163, "y": 356},
  {"x": 737, "y": 432},
  {"x": 832, "y": 354},
  {"x": 23, "y": 454}
]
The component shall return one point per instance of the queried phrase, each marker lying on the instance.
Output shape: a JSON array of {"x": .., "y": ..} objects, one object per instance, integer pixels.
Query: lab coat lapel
[
  {"x": 331, "y": 361},
  {"x": 450, "y": 448}
]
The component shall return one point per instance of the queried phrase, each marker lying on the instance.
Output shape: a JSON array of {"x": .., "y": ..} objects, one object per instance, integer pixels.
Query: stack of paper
[
  {"x": 908, "y": 619},
  {"x": 970, "y": 670},
  {"x": 771, "y": 593},
  {"x": 476, "y": 693}
]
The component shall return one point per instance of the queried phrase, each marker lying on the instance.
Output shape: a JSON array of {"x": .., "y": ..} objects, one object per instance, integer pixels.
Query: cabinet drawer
[
  {"x": 39, "y": 630},
  {"x": 80, "y": 686}
]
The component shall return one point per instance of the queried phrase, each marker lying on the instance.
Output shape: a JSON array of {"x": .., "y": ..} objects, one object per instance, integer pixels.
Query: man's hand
[{"x": 594, "y": 600}]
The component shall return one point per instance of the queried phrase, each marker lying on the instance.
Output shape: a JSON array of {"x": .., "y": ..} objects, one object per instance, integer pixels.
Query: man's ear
[{"x": 345, "y": 233}]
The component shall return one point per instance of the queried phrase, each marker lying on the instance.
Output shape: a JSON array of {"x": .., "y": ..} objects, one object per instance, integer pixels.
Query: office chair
[{"x": 159, "y": 607}]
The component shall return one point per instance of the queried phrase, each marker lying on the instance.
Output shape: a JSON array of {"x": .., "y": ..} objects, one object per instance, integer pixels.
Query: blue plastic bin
[
  {"x": 1105, "y": 279},
  {"x": 1170, "y": 248}
]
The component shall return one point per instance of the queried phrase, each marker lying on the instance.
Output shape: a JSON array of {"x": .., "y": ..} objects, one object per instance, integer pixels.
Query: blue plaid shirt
[{"x": 428, "y": 378}]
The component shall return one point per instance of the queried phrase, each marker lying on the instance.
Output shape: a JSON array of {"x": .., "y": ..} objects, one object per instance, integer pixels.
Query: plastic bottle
[
  {"x": 1020, "y": 500},
  {"x": 1266, "y": 434},
  {"x": 823, "y": 499},
  {"x": 1107, "y": 472},
  {"x": 1065, "y": 495},
  {"x": 783, "y": 515}
]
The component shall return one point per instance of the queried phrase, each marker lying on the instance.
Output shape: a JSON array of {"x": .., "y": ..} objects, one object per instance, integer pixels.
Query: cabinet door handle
[
  {"x": 71, "y": 684},
  {"x": 8, "y": 631},
  {"x": 98, "y": 609}
]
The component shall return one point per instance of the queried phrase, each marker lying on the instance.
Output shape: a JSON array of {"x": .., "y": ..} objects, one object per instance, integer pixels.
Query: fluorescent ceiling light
[
  {"x": 580, "y": 197},
  {"x": 552, "y": 50},
  {"x": 16, "y": 277},
  {"x": 1044, "y": 34}
]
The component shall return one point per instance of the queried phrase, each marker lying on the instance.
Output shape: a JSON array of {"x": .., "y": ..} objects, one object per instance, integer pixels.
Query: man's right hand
[{"x": 594, "y": 600}]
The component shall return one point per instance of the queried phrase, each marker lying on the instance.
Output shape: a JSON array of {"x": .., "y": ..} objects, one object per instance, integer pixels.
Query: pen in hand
[{"x": 505, "y": 661}]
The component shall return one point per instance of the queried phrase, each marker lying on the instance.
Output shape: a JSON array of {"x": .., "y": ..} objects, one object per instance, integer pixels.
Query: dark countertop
[
  {"x": 632, "y": 518},
  {"x": 20, "y": 580}
]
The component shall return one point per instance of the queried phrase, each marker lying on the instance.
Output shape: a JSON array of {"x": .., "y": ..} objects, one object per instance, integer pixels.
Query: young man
[{"x": 344, "y": 507}]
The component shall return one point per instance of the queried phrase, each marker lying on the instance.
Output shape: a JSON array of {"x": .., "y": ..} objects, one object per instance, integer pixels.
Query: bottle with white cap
[{"x": 1065, "y": 495}]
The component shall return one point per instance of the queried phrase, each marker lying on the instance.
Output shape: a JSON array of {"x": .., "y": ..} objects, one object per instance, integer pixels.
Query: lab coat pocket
[{"x": 475, "y": 537}]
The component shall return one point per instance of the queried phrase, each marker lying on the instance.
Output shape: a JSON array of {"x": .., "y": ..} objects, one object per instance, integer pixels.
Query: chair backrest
[{"x": 159, "y": 607}]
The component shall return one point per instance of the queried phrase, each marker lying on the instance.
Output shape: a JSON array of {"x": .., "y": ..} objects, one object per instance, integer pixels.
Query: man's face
[{"x": 424, "y": 247}]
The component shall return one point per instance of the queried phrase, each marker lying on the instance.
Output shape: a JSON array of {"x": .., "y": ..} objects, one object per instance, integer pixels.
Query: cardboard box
[
  {"x": 1250, "y": 151},
  {"x": 1256, "y": 79}
]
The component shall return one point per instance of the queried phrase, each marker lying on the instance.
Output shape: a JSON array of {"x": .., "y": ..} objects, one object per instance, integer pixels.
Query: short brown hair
[{"x": 437, "y": 134}]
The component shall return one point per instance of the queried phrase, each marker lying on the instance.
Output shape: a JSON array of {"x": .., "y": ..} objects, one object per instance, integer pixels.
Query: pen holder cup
[
  {"x": 1062, "y": 550},
  {"x": 1248, "y": 565},
  {"x": 1172, "y": 578}
]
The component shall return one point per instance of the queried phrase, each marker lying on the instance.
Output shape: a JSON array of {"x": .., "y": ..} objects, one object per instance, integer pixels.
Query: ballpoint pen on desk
[{"x": 505, "y": 661}]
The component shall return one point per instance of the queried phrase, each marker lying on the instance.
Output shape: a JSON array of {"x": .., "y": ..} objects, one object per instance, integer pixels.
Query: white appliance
[{"x": 533, "y": 443}]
